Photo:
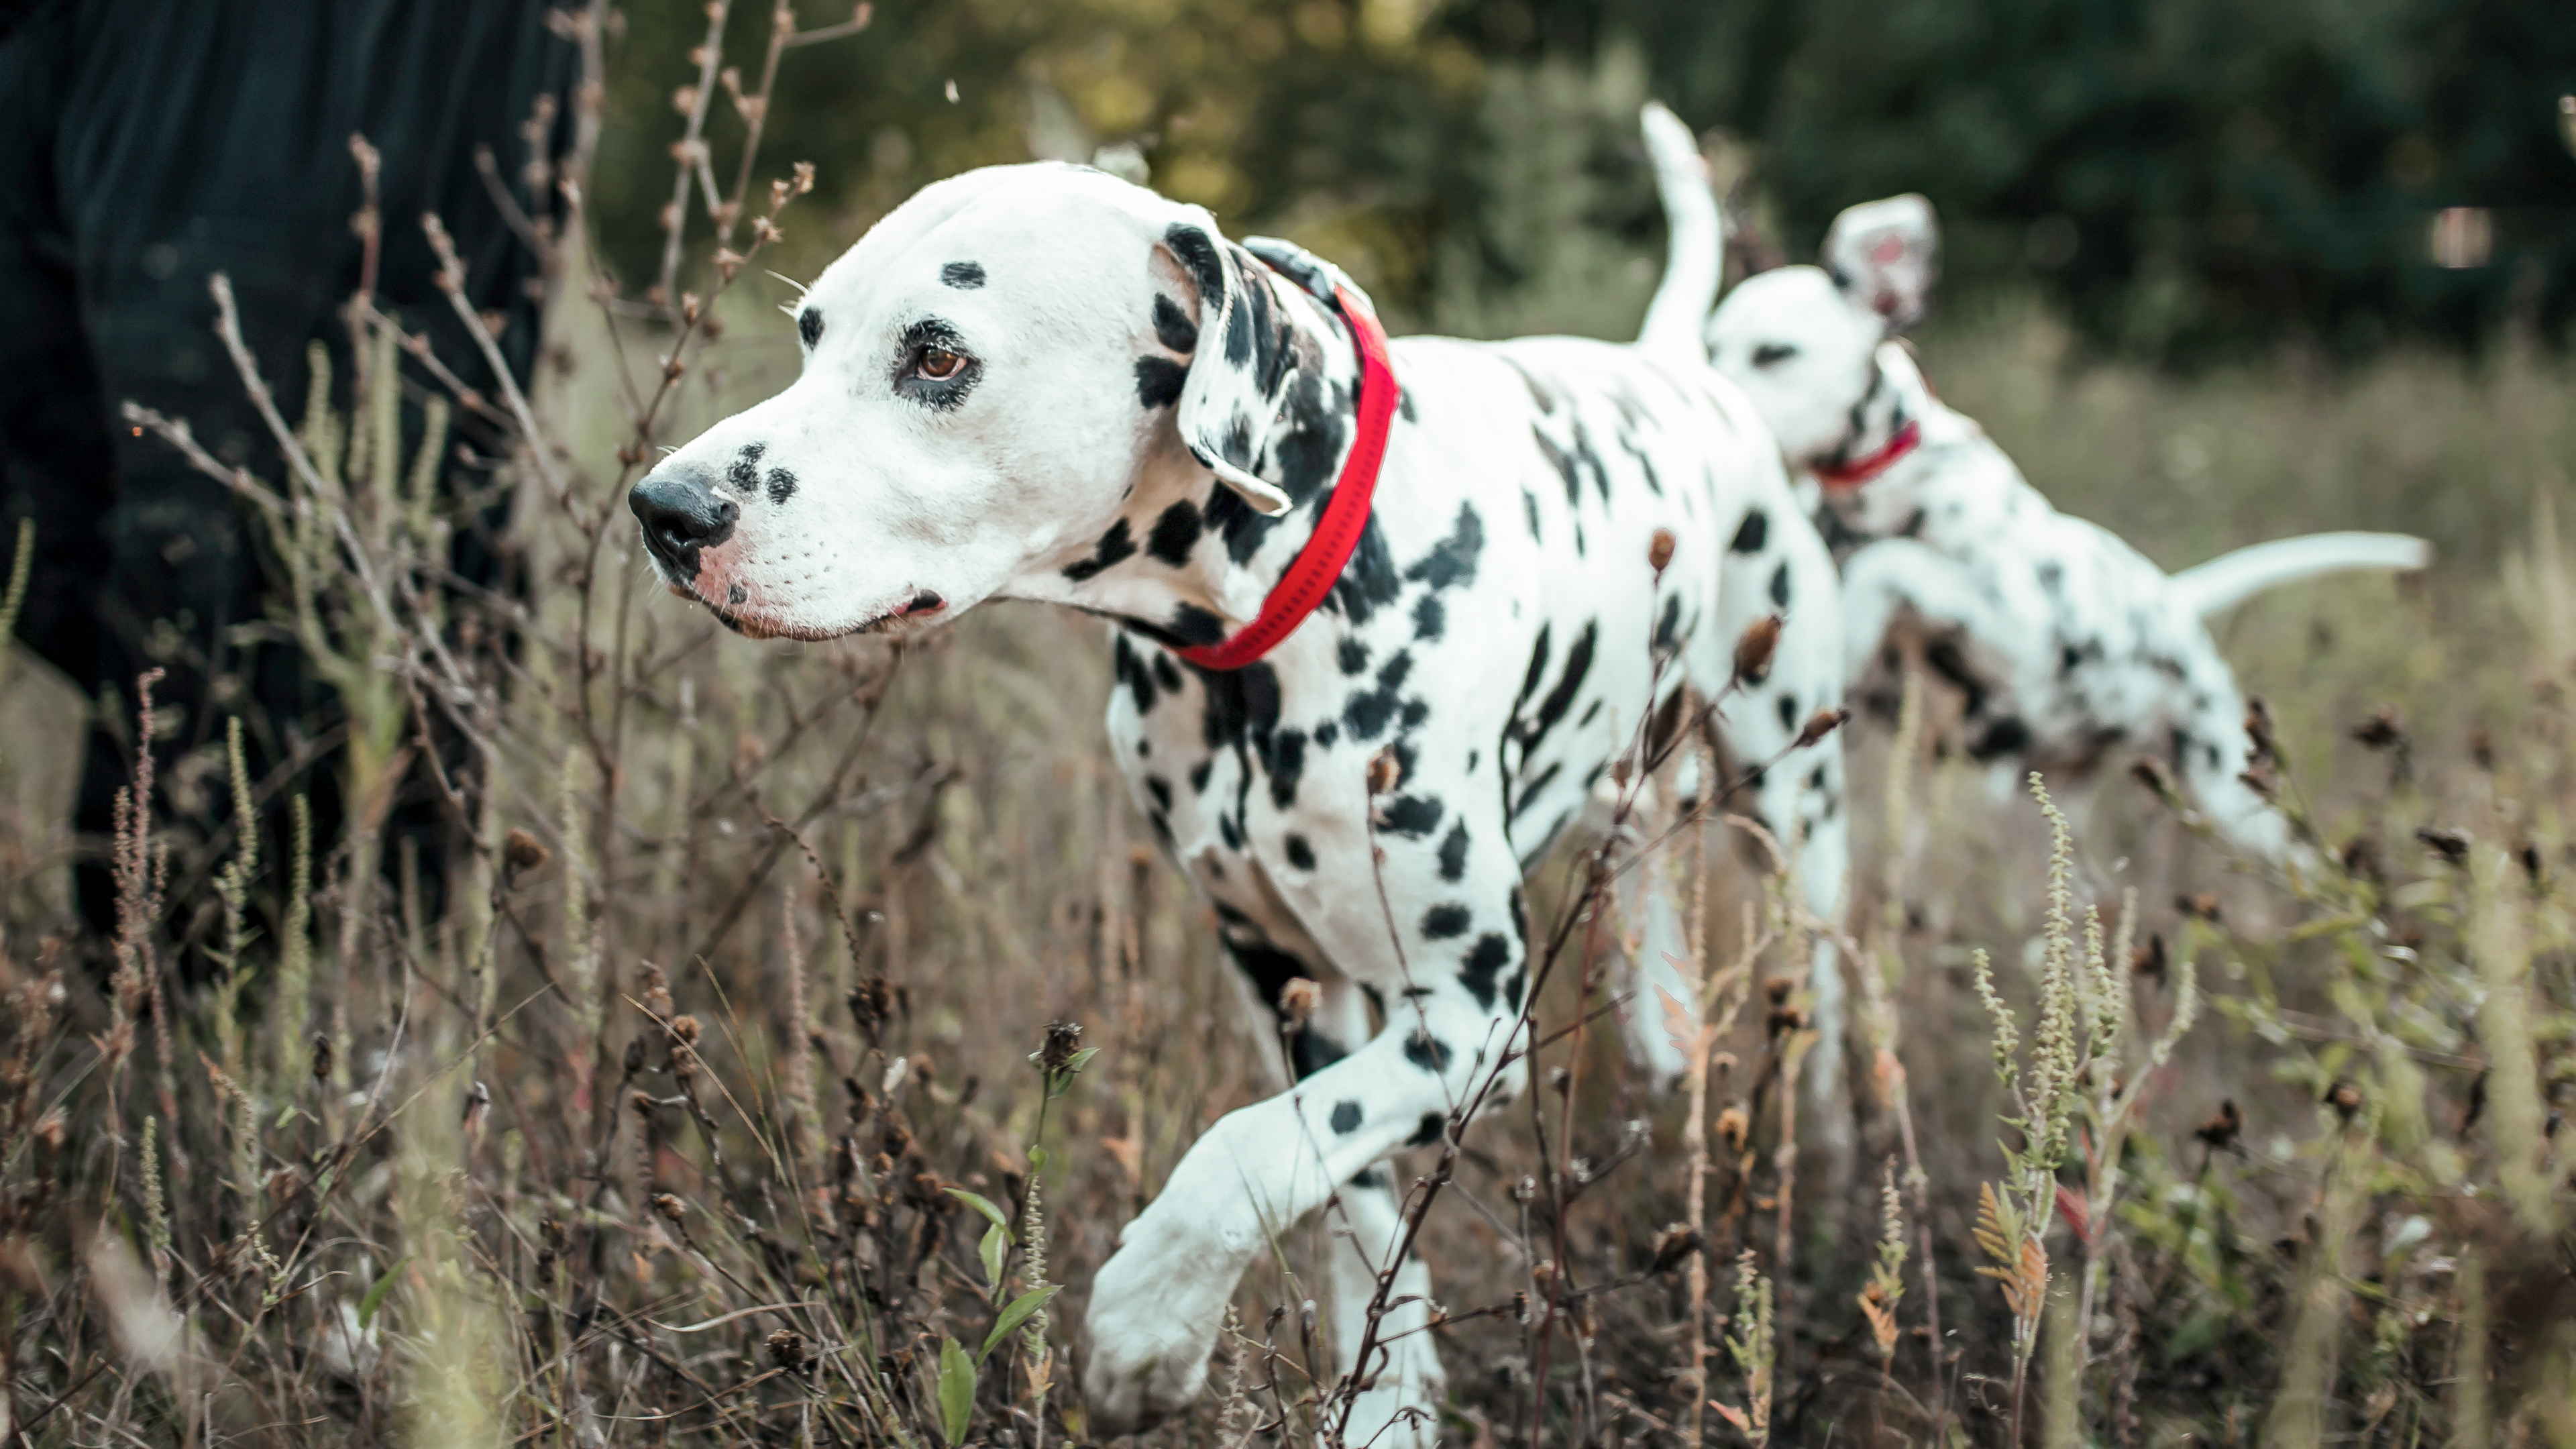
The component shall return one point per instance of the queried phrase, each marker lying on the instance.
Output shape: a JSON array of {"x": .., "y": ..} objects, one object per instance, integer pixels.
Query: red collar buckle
[
  {"x": 1861, "y": 470},
  {"x": 1318, "y": 566}
]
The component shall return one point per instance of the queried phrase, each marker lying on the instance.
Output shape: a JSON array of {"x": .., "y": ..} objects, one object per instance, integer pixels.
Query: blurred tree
[{"x": 2185, "y": 177}]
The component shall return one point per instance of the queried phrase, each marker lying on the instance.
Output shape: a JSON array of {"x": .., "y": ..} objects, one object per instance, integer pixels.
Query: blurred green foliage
[{"x": 2183, "y": 179}]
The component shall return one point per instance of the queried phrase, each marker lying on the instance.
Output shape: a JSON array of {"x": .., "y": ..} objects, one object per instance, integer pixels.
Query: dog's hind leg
[{"x": 1401, "y": 1384}]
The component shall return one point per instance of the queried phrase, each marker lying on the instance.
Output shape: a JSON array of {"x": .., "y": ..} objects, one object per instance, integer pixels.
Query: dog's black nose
[{"x": 681, "y": 515}]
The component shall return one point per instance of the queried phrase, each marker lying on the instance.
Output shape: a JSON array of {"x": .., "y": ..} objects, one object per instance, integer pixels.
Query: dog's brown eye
[{"x": 938, "y": 364}]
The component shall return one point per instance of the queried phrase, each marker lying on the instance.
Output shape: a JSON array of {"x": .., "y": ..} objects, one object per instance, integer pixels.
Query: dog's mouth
[{"x": 919, "y": 607}]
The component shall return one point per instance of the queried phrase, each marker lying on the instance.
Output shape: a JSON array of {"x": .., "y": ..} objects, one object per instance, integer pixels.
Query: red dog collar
[
  {"x": 1318, "y": 565},
  {"x": 1854, "y": 474}
]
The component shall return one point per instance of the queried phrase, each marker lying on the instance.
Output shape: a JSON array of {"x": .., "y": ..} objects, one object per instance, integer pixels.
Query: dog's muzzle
[{"x": 681, "y": 515}]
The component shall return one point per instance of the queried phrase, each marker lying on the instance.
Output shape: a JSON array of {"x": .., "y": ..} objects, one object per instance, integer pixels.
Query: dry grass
[{"x": 675, "y": 1126}]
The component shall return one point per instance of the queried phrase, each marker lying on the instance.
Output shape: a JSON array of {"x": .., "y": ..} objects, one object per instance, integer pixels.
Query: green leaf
[
  {"x": 996, "y": 1243},
  {"x": 956, "y": 1391},
  {"x": 1016, "y": 1314},
  {"x": 375, "y": 1298},
  {"x": 982, "y": 1205},
  {"x": 1037, "y": 1159}
]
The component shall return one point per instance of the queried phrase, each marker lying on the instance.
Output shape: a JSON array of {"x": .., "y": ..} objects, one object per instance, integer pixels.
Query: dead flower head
[
  {"x": 2384, "y": 730},
  {"x": 1063, "y": 1040},
  {"x": 1820, "y": 724},
  {"x": 1659, "y": 553},
  {"x": 1385, "y": 772},
  {"x": 1674, "y": 1246},
  {"x": 522, "y": 852},
  {"x": 1754, "y": 648}
]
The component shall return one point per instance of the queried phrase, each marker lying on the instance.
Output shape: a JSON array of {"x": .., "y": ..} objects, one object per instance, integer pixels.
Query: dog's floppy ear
[
  {"x": 1885, "y": 255},
  {"x": 1225, "y": 411}
]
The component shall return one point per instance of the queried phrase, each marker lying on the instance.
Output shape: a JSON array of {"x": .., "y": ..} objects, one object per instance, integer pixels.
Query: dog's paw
[{"x": 1155, "y": 1309}]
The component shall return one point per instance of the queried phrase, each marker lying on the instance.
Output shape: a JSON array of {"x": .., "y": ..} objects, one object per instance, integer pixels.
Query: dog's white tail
[
  {"x": 1696, "y": 250},
  {"x": 2232, "y": 578}
]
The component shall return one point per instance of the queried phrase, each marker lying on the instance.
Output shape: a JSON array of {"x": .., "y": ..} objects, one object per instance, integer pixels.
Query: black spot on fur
[
  {"x": 1167, "y": 674},
  {"x": 1539, "y": 392},
  {"x": 1444, "y": 921},
  {"x": 1780, "y": 586},
  {"x": 1788, "y": 712},
  {"x": 1563, "y": 463},
  {"x": 1668, "y": 625},
  {"x": 1368, "y": 581},
  {"x": 782, "y": 485},
  {"x": 809, "y": 325},
  {"x": 1429, "y": 619},
  {"x": 1529, "y": 503},
  {"x": 2052, "y": 575},
  {"x": 1367, "y": 713},
  {"x": 1193, "y": 625},
  {"x": 744, "y": 474},
  {"x": 1537, "y": 670},
  {"x": 1173, "y": 327},
  {"x": 1328, "y": 734},
  {"x": 1352, "y": 655},
  {"x": 1115, "y": 545},
  {"x": 1427, "y": 1051},
  {"x": 1452, "y": 562},
  {"x": 1300, "y": 854},
  {"x": 1161, "y": 790},
  {"x": 1432, "y": 1126},
  {"x": 1199, "y": 775},
  {"x": 1753, "y": 533},
  {"x": 1578, "y": 664},
  {"x": 964, "y": 276},
  {"x": 1131, "y": 672},
  {"x": 1411, "y": 816},
  {"x": 1287, "y": 766},
  {"x": 1158, "y": 381},
  {"x": 1346, "y": 1117},
  {"x": 1173, "y": 533},
  {"x": 1199, "y": 255},
  {"x": 1453, "y": 852},
  {"x": 1492, "y": 952},
  {"x": 2005, "y": 736}
]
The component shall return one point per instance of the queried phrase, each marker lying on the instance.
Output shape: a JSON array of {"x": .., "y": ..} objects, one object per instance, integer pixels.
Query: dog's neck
[
  {"x": 1896, "y": 396},
  {"x": 1187, "y": 561}
]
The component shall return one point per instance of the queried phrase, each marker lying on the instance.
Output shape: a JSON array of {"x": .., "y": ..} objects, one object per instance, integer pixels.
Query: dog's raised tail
[
  {"x": 1696, "y": 250},
  {"x": 2232, "y": 578}
]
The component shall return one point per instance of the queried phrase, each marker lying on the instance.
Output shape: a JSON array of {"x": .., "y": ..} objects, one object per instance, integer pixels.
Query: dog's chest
[{"x": 1496, "y": 638}]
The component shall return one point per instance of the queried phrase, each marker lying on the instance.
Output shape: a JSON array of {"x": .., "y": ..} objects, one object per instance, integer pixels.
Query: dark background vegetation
[{"x": 2185, "y": 179}]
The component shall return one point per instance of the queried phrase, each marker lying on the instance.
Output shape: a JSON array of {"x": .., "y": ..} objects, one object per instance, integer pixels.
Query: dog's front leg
[
  {"x": 1448, "y": 1048},
  {"x": 1898, "y": 576}
]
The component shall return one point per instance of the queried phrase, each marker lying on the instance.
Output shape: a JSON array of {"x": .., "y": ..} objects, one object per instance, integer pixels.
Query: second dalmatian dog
[
  {"x": 1039, "y": 382},
  {"x": 2066, "y": 642}
]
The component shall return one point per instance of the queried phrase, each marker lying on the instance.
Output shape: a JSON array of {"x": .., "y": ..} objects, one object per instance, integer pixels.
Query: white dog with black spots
[
  {"x": 2065, "y": 642},
  {"x": 1040, "y": 382}
]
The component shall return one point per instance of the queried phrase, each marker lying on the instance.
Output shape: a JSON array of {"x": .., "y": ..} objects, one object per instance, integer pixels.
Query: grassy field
[{"x": 680, "y": 1124}]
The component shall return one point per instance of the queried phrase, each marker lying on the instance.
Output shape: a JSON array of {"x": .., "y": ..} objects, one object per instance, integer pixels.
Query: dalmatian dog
[
  {"x": 1040, "y": 382},
  {"x": 2064, "y": 641}
]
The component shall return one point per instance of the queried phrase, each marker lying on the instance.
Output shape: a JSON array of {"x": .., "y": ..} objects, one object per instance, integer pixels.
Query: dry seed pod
[
  {"x": 1754, "y": 648},
  {"x": 521, "y": 851},
  {"x": 1820, "y": 724},
  {"x": 1385, "y": 772},
  {"x": 1659, "y": 553}
]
